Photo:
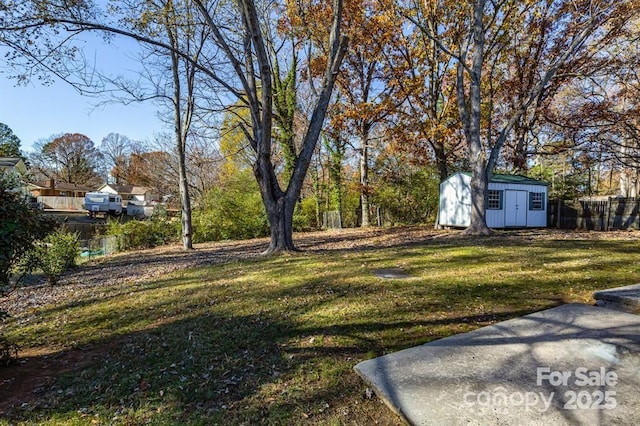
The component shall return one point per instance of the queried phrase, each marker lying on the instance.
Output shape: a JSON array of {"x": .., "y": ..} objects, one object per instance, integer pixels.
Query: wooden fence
[
  {"x": 62, "y": 203},
  {"x": 602, "y": 215}
]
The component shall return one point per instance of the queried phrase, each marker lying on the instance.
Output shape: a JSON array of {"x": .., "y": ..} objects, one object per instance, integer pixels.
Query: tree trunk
[
  {"x": 441, "y": 160},
  {"x": 470, "y": 115},
  {"x": 479, "y": 190},
  {"x": 280, "y": 215},
  {"x": 364, "y": 182},
  {"x": 180, "y": 128},
  {"x": 185, "y": 202},
  {"x": 279, "y": 204}
]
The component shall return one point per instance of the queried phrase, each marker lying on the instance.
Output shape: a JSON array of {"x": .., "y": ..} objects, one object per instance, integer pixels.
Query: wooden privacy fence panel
[
  {"x": 62, "y": 203},
  {"x": 602, "y": 215}
]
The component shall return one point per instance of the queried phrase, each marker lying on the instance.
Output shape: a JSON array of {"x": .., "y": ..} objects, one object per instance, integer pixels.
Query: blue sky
[{"x": 35, "y": 111}]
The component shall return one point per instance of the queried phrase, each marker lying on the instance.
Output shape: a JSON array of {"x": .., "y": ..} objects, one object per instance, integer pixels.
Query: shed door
[{"x": 515, "y": 208}]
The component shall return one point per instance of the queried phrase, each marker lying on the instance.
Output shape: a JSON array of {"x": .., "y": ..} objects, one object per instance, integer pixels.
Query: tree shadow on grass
[
  {"x": 478, "y": 377},
  {"x": 208, "y": 368},
  {"x": 193, "y": 365}
]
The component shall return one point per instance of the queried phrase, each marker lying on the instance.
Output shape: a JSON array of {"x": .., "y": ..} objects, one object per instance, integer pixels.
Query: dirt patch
[{"x": 36, "y": 371}]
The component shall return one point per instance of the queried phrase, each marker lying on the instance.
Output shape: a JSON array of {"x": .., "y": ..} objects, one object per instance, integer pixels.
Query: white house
[
  {"x": 138, "y": 200},
  {"x": 140, "y": 194},
  {"x": 513, "y": 201},
  {"x": 13, "y": 165}
]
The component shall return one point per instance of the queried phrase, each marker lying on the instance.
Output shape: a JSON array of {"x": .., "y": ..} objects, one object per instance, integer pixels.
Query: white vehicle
[{"x": 102, "y": 203}]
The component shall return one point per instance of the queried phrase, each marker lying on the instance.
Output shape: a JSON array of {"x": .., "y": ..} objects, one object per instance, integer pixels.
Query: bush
[
  {"x": 139, "y": 234},
  {"x": 19, "y": 228},
  {"x": 54, "y": 254},
  {"x": 304, "y": 216},
  {"x": 232, "y": 211},
  {"x": 409, "y": 197}
]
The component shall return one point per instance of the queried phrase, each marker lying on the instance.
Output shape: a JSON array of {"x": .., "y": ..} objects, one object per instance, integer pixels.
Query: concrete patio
[{"x": 573, "y": 364}]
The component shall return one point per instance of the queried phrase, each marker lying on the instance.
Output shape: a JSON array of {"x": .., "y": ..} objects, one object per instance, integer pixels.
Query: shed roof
[{"x": 514, "y": 179}]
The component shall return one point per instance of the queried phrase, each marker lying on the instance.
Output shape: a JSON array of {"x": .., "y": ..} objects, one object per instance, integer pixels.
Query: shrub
[
  {"x": 54, "y": 254},
  {"x": 409, "y": 196},
  {"x": 232, "y": 211},
  {"x": 139, "y": 234},
  {"x": 19, "y": 228},
  {"x": 351, "y": 206},
  {"x": 304, "y": 216}
]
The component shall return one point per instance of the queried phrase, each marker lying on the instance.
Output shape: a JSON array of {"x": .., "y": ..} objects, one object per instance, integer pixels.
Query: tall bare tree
[
  {"x": 237, "y": 61},
  {"x": 115, "y": 148},
  {"x": 253, "y": 68},
  {"x": 576, "y": 30}
]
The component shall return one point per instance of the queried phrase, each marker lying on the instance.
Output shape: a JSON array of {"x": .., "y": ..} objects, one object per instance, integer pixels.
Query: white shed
[{"x": 513, "y": 202}]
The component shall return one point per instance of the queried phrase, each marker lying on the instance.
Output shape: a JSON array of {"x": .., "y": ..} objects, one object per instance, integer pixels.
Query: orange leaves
[{"x": 300, "y": 18}]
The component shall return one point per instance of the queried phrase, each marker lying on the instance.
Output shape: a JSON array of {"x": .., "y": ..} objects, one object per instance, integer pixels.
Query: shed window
[
  {"x": 536, "y": 201},
  {"x": 494, "y": 200}
]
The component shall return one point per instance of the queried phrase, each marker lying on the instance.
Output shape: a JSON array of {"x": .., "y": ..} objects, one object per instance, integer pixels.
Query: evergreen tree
[{"x": 9, "y": 142}]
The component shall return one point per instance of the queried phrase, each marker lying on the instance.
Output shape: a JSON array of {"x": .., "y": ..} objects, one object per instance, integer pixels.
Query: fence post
[
  {"x": 559, "y": 213},
  {"x": 607, "y": 226}
]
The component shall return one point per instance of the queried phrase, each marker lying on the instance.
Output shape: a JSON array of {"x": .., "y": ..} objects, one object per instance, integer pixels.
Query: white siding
[
  {"x": 535, "y": 218},
  {"x": 455, "y": 201},
  {"x": 107, "y": 189},
  {"x": 495, "y": 218}
]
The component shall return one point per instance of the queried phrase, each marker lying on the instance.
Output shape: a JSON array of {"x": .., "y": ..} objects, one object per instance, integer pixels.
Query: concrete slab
[
  {"x": 626, "y": 299},
  {"x": 574, "y": 364}
]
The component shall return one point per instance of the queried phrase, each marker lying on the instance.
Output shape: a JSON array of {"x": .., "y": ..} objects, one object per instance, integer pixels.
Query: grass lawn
[{"x": 274, "y": 340}]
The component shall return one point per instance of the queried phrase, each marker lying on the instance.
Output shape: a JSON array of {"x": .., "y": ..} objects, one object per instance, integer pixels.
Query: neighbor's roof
[
  {"x": 9, "y": 161},
  {"x": 13, "y": 163},
  {"x": 60, "y": 186},
  {"x": 514, "y": 179},
  {"x": 128, "y": 189}
]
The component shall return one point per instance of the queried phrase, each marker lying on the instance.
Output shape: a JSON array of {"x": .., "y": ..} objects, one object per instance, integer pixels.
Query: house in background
[
  {"x": 52, "y": 188},
  {"x": 513, "y": 202},
  {"x": 16, "y": 166},
  {"x": 140, "y": 194},
  {"x": 58, "y": 195},
  {"x": 13, "y": 165},
  {"x": 138, "y": 200}
]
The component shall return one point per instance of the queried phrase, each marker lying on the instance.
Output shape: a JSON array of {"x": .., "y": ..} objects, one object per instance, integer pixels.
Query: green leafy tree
[
  {"x": 9, "y": 142},
  {"x": 232, "y": 210},
  {"x": 19, "y": 228}
]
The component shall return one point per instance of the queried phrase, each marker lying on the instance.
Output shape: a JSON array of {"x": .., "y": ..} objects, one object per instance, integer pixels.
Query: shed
[{"x": 513, "y": 202}]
